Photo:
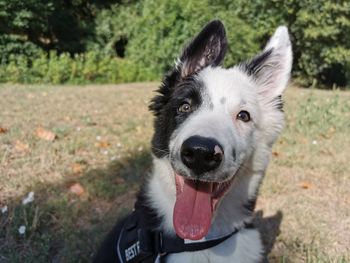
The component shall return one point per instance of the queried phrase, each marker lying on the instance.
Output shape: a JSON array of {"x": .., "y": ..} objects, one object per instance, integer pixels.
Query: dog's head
[{"x": 210, "y": 121}]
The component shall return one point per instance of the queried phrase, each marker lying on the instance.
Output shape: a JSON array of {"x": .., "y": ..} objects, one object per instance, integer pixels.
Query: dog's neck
[{"x": 234, "y": 210}]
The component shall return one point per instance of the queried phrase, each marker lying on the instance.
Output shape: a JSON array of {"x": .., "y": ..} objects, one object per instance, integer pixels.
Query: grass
[{"x": 102, "y": 146}]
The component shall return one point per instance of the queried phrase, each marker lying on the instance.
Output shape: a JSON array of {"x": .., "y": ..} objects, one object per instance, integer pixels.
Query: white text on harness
[{"x": 132, "y": 251}]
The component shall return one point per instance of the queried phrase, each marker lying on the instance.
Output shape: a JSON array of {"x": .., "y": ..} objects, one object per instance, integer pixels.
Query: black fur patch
[
  {"x": 278, "y": 102},
  {"x": 164, "y": 92},
  {"x": 253, "y": 66},
  {"x": 234, "y": 156},
  {"x": 165, "y": 108},
  {"x": 249, "y": 206}
]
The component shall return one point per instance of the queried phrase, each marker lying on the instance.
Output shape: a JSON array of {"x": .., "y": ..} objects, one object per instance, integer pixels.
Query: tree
[{"x": 320, "y": 32}]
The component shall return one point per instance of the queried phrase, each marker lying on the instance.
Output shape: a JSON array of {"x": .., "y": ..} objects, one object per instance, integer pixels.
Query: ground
[{"x": 83, "y": 152}]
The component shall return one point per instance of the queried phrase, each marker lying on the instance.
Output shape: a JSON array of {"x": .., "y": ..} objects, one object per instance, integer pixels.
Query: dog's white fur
[{"x": 252, "y": 142}]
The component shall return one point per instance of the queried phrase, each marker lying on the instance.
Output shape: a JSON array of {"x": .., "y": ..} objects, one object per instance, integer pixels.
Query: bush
[
  {"x": 53, "y": 68},
  {"x": 49, "y": 24},
  {"x": 147, "y": 36},
  {"x": 157, "y": 30},
  {"x": 14, "y": 45}
]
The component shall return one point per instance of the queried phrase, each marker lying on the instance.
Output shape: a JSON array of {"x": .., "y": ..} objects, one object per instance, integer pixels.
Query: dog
[{"x": 213, "y": 132}]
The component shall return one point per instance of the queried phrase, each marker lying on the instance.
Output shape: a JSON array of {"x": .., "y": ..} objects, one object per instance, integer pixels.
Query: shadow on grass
[
  {"x": 65, "y": 227},
  {"x": 269, "y": 227}
]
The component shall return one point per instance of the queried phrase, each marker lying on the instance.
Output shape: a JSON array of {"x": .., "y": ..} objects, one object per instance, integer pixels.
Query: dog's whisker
[{"x": 160, "y": 150}]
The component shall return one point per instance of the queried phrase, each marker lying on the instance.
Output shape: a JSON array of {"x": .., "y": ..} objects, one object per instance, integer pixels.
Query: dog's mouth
[{"x": 195, "y": 204}]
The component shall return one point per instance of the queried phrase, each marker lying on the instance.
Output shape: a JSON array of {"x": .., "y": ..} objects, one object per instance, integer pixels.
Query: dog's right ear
[{"x": 208, "y": 48}]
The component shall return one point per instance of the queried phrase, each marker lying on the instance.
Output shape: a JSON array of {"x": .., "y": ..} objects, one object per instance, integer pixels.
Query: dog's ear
[
  {"x": 271, "y": 69},
  {"x": 208, "y": 48}
]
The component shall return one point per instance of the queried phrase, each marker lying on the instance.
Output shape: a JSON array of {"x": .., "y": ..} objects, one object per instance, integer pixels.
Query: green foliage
[
  {"x": 54, "y": 24},
  {"x": 10, "y": 44},
  {"x": 147, "y": 36},
  {"x": 323, "y": 28},
  {"x": 157, "y": 30},
  {"x": 90, "y": 67},
  {"x": 320, "y": 34}
]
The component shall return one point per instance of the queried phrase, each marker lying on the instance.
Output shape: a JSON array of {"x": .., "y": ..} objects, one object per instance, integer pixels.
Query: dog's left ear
[
  {"x": 208, "y": 48},
  {"x": 271, "y": 69}
]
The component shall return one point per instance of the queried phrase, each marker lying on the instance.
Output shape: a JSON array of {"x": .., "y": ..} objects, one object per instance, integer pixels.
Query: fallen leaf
[
  {"x": 304, "y": 141},
  {"x": 331, "y": 130},
  {"x": 77, "y": 168},
  {"x": 306, "y": 185},
  {"x": 77, "y": 189},
  {"x": 21, "y": 147},
  {"x": 45, "y": 134},
  {"x": 102, "y": 144},
  {"x": 119, "y": 180},
  {"x": 3, "y": 130}
]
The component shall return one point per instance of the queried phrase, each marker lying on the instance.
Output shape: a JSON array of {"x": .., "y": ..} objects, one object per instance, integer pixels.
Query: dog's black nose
[{"x": 201, "y": 154}]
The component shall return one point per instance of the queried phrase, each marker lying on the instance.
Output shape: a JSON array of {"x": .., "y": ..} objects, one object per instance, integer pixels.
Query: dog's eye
[
  {"x": 243, "y": 116},
  {"x": 185, "y": 108}
]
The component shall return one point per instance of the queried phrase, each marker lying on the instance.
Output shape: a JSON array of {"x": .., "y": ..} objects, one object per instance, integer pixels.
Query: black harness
[{"x": 137, "y": 244}]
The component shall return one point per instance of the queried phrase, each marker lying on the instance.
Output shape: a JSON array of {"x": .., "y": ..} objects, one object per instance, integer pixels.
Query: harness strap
[
  {"x": 174, "y": 244},
  {"x": 137, "y": 244}
]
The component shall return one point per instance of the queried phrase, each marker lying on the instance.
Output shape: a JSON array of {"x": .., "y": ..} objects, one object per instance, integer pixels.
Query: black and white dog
[{"x": 214, "y": 129}]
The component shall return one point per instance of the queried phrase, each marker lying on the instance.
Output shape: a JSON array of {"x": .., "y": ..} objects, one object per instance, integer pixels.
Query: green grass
[{"x": 102, "y": 143}]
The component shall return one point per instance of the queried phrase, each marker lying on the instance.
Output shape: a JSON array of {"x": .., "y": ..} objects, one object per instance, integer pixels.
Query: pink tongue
[{"x": 193, "y": 210}]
